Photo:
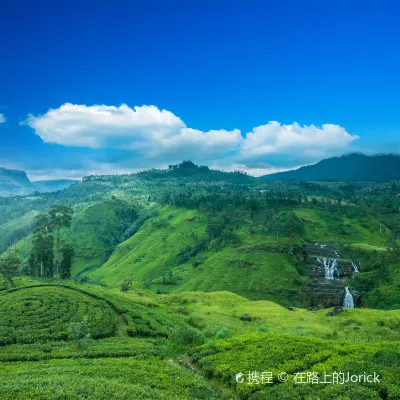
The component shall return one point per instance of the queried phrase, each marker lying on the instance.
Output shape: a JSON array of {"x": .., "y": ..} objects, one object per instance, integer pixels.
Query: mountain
[
  {"x": 351, "y": 167},
  {"x": 188, "y": 171},
  {"x": 53, "y": 185},
  {"x": 14, "y": 182}
]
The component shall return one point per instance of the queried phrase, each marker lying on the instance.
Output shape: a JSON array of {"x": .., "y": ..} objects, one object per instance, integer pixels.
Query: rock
[
  {"x": 335, "y": 311},
  {"x": 324, "y": 292},
  {"x": 290, "y": 308},
  {"x": 328, "y": 293}
]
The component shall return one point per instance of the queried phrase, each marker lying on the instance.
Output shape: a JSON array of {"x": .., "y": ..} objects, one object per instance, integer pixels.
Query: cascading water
[
  {"x": 356, "y": 271},
  {"x": 330, "y": 266},
  {"x": 348, "y": 300}
]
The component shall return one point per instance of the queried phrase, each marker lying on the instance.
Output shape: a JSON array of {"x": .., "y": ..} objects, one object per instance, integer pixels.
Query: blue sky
[{"x": 326, "y": 71}]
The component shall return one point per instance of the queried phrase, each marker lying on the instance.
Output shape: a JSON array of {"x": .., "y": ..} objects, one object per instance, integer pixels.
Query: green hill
[
  {"x": 154, "y": 258},
  {"x": 94, "y": 233}
]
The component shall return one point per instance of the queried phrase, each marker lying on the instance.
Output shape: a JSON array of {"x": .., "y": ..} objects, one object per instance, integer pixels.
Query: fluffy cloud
[
  {"x": 277, "y": 138},
  {"x": 101, "y": 126},
  {"x": 158, "y": 137},
  {"x": 2, "y": 118}
]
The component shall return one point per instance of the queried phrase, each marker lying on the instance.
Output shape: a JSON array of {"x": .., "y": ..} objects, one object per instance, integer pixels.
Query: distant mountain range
[
  {"x": 351, "y": 167},
  {"x": 53, "y": 185},
  {"x": 14, "y": 183}
]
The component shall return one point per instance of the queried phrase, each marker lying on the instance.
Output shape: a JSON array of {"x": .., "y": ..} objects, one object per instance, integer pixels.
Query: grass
[
  {"x": 253, "y": 274},
  {"x": 153, "y": 250},
  {"x": 16, "y": 229},
  {"x": 149, "y": 315},
  {"x": 213, "y": 311},
  {"x": 368, "y": 247},
  {"x": 259, "y": 268},
  {"x": 323, "y": 226}
]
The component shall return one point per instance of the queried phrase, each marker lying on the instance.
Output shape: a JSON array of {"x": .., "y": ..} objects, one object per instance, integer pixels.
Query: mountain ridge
[
  {"x": 14, "y": 182},
  {"x": 349, "y": 167}
]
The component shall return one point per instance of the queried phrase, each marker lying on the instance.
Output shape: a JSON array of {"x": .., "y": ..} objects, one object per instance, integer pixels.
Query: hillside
[
  {"x": 14, "y": 182},
  {"x": 95, "y": 231},
  {"x": 351, "y": 167},
  {"x": 155, "y": 258}
]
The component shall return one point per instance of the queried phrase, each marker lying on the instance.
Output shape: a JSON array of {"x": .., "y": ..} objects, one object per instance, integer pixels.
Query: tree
[
  {"x": 288, "y": 224},
  {"x": 67, "y": 253},
  {"x": 10, "y": 265},
  {"x": 60, "y": 216},
  {"x": 126, "y": 284},
  {"x": 42, "y": 254}
]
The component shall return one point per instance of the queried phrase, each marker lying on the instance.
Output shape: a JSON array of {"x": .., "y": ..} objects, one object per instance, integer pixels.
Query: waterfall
[
  {"x": 330, "y": 267},
  {"x": 348, "y": 300},
  {"x": 356, "y": 271}
]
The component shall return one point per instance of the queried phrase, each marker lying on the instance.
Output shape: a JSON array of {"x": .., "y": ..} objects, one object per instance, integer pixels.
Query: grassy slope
[
  {"x": 320, "y": 226},
  {"x": 154, "y": 251},
  {"x": 224, "y": 310},
  {"x": 92, "y": 232},
  {"x": 12, "y": 231},
  {"x": 255, "y": 274}
]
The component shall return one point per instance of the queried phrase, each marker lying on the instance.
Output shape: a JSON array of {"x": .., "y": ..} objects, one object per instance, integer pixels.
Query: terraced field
[{"x": 39, "y": 314}]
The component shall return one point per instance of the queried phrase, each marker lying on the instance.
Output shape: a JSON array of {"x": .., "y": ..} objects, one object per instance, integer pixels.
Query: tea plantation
[{"x": 40, "y": 314}]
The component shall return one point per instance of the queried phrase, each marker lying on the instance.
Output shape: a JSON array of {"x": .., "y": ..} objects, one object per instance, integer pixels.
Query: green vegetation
[
  {"x": 280, "y": 353},
  {"x": 39, "y": 314},
  {"x": 102, "y": 378},
  {"x": 175, "y": 280}
]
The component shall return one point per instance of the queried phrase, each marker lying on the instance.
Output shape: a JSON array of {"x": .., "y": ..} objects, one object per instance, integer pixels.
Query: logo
[{"x": 239, "y": 377}]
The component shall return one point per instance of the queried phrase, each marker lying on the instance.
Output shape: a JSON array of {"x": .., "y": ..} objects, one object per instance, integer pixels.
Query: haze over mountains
[
  {"x": 15, "y": 182},
  {"x": 351, "y": 167}
]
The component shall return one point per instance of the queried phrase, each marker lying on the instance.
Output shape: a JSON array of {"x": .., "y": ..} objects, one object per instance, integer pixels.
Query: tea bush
[
  {"x": 260, "y": 352},
  {"x": 38, "y": 314}
]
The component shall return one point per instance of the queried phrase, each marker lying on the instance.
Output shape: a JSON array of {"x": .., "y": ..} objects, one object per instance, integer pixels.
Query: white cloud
[
  {"x": 310, "y": 140},
  {"x": 2, "y": 118},
  {"x": 157, "y": 137},
  {"x": 101, "y": 126}
]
